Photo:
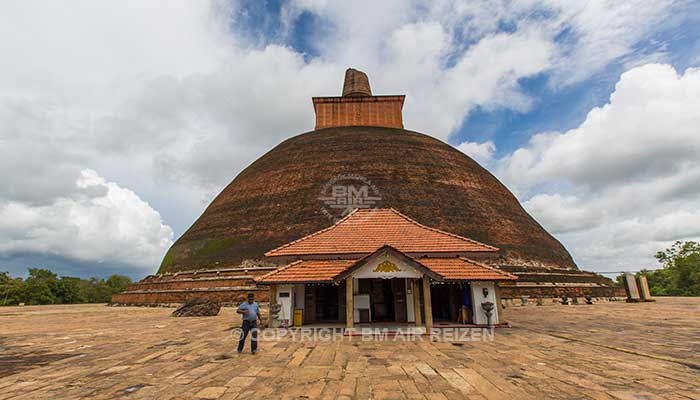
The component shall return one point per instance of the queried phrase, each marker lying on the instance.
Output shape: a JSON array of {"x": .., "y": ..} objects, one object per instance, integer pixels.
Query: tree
[
  {"x": 620, "y": 280},
  {"x": 5, "y": 278},
  {"x": 6, "y": 288},
  {"x": 39, "y": 287},
  {"x": 11, "y": 289},
  {"x": 45, "y": 287},
  {"x": 118, "y": 283},
  {"x": 680, "y": 275},
  {"x": 74, "y": 292}
]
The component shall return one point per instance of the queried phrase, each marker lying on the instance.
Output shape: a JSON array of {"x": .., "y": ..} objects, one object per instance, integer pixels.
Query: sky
[{"x": 120, "y": 121}]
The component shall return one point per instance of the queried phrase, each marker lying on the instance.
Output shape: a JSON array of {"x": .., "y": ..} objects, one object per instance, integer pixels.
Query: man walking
[{"x": 250, "y": 311}]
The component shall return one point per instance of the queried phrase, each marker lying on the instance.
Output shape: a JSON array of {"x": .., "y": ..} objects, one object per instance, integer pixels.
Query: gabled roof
[
  {"x": 363, "y": 231},
  {"x": 438, "y": 269},
  {"x": 386, "y": 249}
]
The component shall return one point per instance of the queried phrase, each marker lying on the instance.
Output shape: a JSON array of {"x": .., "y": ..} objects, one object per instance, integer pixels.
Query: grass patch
[{"x": 213, "y": 246}]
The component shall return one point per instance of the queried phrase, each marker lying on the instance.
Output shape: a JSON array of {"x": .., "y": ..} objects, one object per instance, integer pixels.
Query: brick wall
[
  {"x": 234, "y": 272},
  {"x": 194, "y": 284},
  {"x": 226, "y": 286},
  {"x": 549, "y": 291},
  {"x": 382, "y": 111},
  {"x": 157, "y": 297}
]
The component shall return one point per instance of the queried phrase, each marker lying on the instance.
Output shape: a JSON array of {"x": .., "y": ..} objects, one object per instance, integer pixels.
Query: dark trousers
[{"x": 252, "y": 327}]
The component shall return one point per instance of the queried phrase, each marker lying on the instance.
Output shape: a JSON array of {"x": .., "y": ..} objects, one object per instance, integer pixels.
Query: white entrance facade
[{"x": 384, "y": 267}]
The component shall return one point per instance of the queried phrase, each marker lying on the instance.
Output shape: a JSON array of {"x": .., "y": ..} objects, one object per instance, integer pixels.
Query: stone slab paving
[{"x": 603, "y": 351}]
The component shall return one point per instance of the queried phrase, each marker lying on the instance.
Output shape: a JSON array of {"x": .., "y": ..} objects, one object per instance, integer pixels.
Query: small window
[{"x": 284, "y": 294}]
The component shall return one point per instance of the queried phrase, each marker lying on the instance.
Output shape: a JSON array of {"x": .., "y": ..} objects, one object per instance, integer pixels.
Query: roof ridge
[
  {"x": 387, "y": 212},
  {"x": 489, "y": 267},
  {"x": 441, "y": 231},
  {"x": 269, "y": 253}
]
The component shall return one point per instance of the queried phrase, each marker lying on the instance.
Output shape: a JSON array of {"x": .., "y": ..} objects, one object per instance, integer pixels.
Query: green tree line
[
  {"x": 45, "y": 287},
  {"x": 680, "y": 272}
]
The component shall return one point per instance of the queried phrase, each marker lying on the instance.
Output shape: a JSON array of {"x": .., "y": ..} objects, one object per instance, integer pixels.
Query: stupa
[{"x": 359, "y": 156}]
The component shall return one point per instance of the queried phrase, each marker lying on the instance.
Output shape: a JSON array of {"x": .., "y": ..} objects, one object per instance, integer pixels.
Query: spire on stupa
[
  {"x": 357, "y": 106},
  {"x": 356, "y": 84}
]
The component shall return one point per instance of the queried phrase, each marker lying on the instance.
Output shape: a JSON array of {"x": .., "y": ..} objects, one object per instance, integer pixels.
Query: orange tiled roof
[
  {"x": 448, "y": 269},
  {"x": 365, "y": 230},
  {"x": 307, "y": 271},
  {"x": 464, "y": 269}
]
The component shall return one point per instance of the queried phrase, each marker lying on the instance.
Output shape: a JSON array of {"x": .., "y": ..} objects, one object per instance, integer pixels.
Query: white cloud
[
  {"x": 648, "y": 130},
  {"x": 625, "y": 182},
  {"x": 481, "y": 152},
  {"x": 100, "y": 221},
  {"x": 486, "y": 75},
  {"x": 602, "y": 31},
  {"x": 562, "y": 213}
]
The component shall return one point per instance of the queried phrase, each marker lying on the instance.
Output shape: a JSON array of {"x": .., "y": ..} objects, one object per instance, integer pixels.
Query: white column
[{"x": 410, "y": 313}]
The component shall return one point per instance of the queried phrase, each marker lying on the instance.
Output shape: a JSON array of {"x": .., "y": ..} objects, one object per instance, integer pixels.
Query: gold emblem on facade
[{"x": 387, "y": 266}]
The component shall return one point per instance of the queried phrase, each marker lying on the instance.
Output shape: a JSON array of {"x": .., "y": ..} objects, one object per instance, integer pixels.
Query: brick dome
[{"x": 280, "y": 198}]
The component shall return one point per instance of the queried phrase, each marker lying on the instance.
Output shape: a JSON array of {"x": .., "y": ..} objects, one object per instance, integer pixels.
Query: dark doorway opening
[
  {"x": 381, "y": 300},
  {"x": 323, "y": 302},
  {"x": 387, "y": 298},
  {"x": 327, "y": 303},
  {"x": 447, "y": 301}
]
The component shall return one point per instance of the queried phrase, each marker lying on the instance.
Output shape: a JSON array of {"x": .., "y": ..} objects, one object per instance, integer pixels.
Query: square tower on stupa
[{"x": 357, "y": 106}]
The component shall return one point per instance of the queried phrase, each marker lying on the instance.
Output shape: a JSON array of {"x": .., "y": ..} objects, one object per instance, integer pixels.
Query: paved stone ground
[{"x": 604, "y": 351}]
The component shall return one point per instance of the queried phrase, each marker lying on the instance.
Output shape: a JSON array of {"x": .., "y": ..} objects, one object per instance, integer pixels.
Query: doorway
[
  {"x": 447, "y": 301},
  {"x": 322, "y": 303},
  {"x": 387, "y": 298}
]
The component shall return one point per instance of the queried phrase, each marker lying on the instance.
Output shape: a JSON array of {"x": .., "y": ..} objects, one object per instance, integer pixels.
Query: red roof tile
[
  {"x": 307, "y": 271},
  {"x": 365, "y": 230},
  {"x": 447, "y": 269},
  {"x": 464, "y": 269}
]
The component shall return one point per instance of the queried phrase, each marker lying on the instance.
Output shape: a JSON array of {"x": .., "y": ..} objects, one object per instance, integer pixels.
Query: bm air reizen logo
[{"x": 343, "y": 193}]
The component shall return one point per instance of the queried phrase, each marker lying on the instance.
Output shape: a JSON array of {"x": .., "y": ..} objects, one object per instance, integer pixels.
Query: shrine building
[{"x": 380, "y": 266}]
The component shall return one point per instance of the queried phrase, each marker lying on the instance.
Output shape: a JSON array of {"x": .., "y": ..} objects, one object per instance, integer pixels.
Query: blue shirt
[{"x": 253, "y": 310}]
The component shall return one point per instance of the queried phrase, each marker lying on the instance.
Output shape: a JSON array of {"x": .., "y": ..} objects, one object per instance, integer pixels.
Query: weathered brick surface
[
  {"x": 167, "y": 297},
  {"x": 356, "y": 84},
  {"x": 207, "y": 274},
  {"x": 556, "y": 292},
  {"x": 276, "y": 199},
  {"x": 359, "y": 111},
  {"x": 227, "y": 286},
  {"x": 192, "y": 284}
]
